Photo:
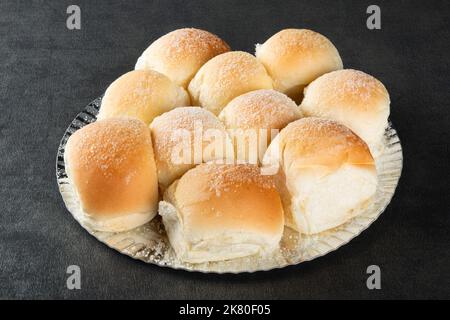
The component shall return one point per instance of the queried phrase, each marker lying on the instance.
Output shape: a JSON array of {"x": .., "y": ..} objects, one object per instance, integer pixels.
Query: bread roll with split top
[{"x": 326, "y": 174}]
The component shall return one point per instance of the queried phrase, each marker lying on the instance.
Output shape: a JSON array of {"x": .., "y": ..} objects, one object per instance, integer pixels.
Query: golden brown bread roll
[
  {"x": 234, "y": 212},
  {"x": 225, "y": 77},
  {"x": 295, "y": 57},
  {"x": 110, "y": 164},
  {"x": 185, "y": 137},
  {"x": 142, "y": 94},
  {"x": 326, "y": 173},
  {"x": 254, "y": 118},
  {"x": 353, "y": 98},
  {"x": 180, "y": 53}
]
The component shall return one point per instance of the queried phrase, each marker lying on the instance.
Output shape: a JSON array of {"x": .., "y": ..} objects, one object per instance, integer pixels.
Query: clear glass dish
[{"x": 149, "y": 242}]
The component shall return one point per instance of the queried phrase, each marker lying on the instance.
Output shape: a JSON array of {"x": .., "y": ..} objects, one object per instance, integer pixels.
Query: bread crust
[
  {"x": 110, "y": 165},
  {"x": 353, "y": 98},
  {"x": 232, "y": 204},
  {"x": 168, "y": 136},
  {"x": 225, "y": 77},
  {"x": 295, "y": 57},
  {"x": 180, "y": 53},
  {"x": 142, "y": 94}
]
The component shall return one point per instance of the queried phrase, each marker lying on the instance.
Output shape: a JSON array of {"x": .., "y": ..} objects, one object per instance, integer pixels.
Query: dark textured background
[{"x": 48, "y": 74}]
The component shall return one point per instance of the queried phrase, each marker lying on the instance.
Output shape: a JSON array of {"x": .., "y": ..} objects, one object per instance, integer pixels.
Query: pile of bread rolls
[{"x": 313, "y": 172}]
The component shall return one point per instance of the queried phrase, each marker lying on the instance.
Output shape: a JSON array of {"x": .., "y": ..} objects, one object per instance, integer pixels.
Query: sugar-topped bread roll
[
  {"x": 225, "y": 77},
  {"x": 185, "y": 137},
  {"x": 219, "y": 212},
  {"x": 111, "y": 167},
  {"x": 326, "y": 173},
  {"x": 142, "y": 94},
  {"x": 255, "y": 118},
  {"x": 295, "y": 57},
  {"x": 180, "y": 53},
  {"x": 353, "y": 98}
]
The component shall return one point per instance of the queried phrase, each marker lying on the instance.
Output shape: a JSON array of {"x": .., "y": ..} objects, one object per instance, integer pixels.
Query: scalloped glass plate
[{"x": 149, "y": 242}]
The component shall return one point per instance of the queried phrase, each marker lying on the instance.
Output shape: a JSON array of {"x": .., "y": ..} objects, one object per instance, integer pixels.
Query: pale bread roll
[
  {"x": 142, "y": 94},
  {"x": 225, "y": 77},
  {"x": 180, "y": 53},
  {"x": 220, "y": 212},
  {"x": 185, "y": 137},
  {"x": 295, "y": 57},
  {"x": 326, "y": 174},
  {"x": 254, "y": 119},
  {"x": 353, "y": 98},
  {"x": 111, "y": 167}
]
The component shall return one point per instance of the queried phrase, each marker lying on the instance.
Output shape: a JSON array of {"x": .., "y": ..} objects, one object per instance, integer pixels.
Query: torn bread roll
[
  {"x": 142, "y": 94},
  {"x": 111, "y": 167},
  {"x": 225, "y": 77},
  {"x": 180, "y": 53},
  {"x": 234, "y": 212},
  {"x": 354, "y": 98},
  {"x": 254, "y": 119},
  {"x": 295, "y": 57},
  {"x": 326, "y": 174},
  {"x": 185, "y": 137}
]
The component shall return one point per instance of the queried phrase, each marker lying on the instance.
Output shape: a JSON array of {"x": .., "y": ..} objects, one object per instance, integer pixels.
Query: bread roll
[
  {"x": 187, "y": 136},
  {"x": 142, "y": 94},
  {"x": 353, "y": 98},
  {"x": 254, "y": 118},
  {"x": 234, "y": 212},
  {"x": 327, "y": 174},
  {"x": 180, "y": 53},
  {"x": 110, "y": 165},
  {"x": 295, "y": 57},
  {"x": 225, "y": 77}
]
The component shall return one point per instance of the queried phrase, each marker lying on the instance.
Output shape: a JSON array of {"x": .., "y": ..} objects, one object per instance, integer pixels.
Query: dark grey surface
[{"x": 48, "y": 74}]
